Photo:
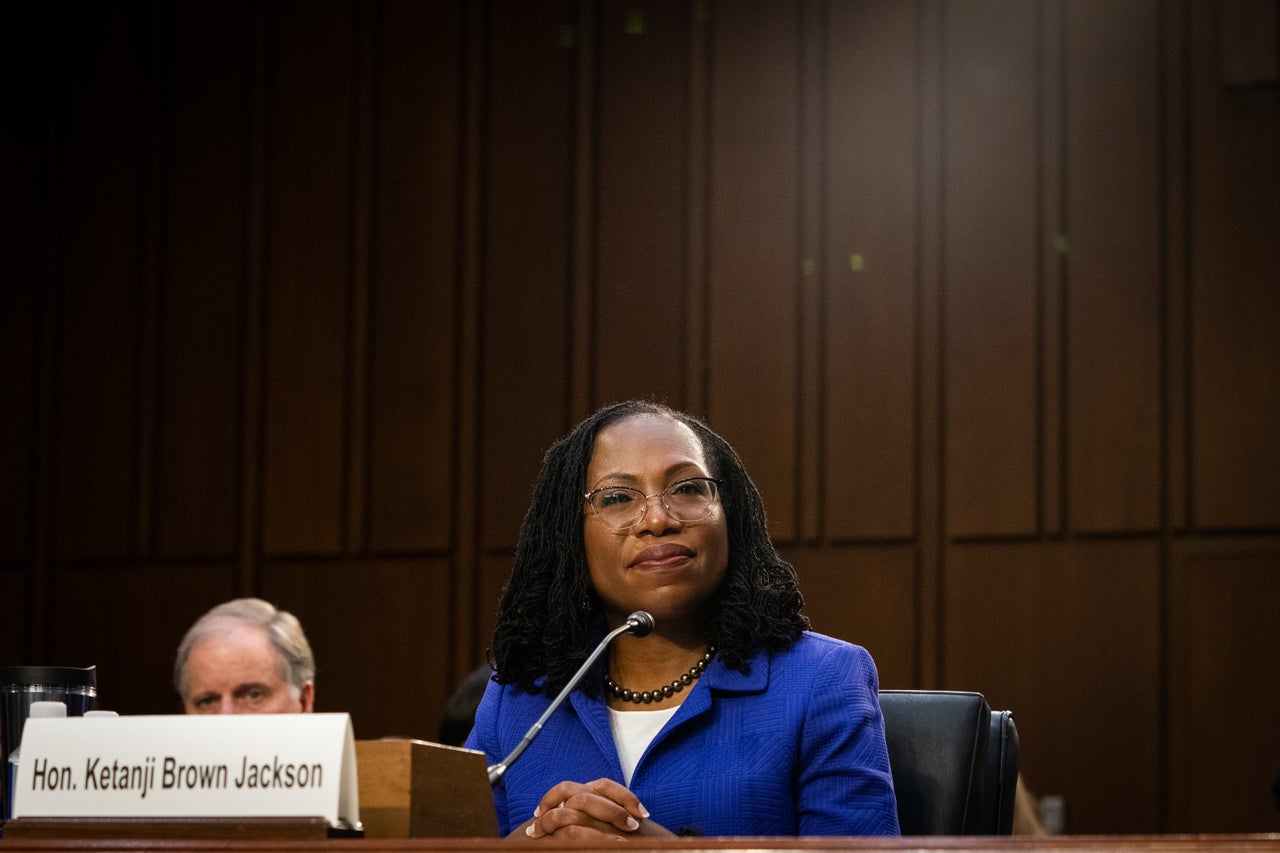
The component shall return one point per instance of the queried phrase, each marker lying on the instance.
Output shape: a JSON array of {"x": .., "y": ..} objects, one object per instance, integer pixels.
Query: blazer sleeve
[
  {"x": 484, "y": 737},
  {"x": 844, "y": 785}
]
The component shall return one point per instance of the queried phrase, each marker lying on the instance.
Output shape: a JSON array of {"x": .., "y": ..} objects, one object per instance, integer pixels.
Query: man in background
[{"x": 245, "y": 657}]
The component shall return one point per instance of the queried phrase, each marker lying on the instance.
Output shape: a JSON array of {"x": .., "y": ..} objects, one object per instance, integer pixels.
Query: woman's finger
[{"x": 594, "y": 805}]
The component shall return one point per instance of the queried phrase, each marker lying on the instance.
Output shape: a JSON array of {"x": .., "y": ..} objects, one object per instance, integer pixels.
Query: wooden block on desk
[{"x": 418, "y": 789}]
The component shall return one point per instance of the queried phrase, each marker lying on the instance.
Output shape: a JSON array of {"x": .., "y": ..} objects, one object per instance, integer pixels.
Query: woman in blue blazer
[{"x": 731, "y": 717}]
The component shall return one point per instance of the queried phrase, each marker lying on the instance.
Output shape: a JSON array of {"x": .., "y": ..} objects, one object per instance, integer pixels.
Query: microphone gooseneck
[{"x": 638, "y": 624}]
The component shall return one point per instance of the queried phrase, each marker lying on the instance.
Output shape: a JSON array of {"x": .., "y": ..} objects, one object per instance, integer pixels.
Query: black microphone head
[{"x": 641, "y": 624}]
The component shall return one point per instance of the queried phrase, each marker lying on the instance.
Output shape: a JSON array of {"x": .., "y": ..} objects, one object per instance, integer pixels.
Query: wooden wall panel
[
  {"x": 811, "y": 283},
  {"x": 414, "y": 269},
  {"x": 26, "y": 73},
  {"x": 353, "y": 614},
  {"x": 640, "y": 179},
  {"x": 1235, "y": 304},
  {"x": 753, "y": 252},
  {"x": 15, "y": 630},
  {"x": 95, "y": 424},
  {"x": 201, "y": 288},
  {"x": 869, "y": 321},
  {"x": 18, "y": 398},
  {"x": 1052, "y": 255},
  {"x": 1175, "y": 214},
  {"x": 494, "y": 572},
  {"x": 866, "y": 595},
  {"x": 525, "y": 340},
  {"x": 128, "y": 622},
  {"x": 1027, "y": 626},
  {"x": 990, "y": 249},
  {"x": 1224, "y": 642},
  {"x": 309, "y": 268},
  {"x": 1248, "y": 51},
  {"x": 1114, "y": 296},
  {"x": 97, "y": 331}
]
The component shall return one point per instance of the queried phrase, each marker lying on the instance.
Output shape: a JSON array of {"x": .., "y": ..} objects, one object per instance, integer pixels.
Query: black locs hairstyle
[{"x": 549, "y": 614}]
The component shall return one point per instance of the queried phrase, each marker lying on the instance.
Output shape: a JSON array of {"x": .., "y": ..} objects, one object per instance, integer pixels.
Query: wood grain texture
[
  {"x": 753, "y": 252},
  {"x": 1070, "y": 638},
  {"x": 869, "y": 320},
  {"x": 989, "y": 268},
  {"x": 1223, "y": 637},
  {"x": 1112, "y": 234}
]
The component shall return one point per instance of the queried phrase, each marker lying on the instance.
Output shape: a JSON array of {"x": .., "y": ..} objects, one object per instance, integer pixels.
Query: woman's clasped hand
[{"x": 603, "y": 807}]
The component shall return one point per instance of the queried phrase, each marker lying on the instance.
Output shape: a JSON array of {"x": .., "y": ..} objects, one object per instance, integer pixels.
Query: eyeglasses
[{"x": 621, "y": 507}]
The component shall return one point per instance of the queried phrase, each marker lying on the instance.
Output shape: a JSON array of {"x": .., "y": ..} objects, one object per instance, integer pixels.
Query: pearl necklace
[{"x": 666, "y": 691}]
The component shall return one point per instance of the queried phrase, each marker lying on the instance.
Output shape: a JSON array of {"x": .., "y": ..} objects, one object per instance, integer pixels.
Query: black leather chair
[
  {"x": 954, "y": 762},
  {"x": 995, "y": 814}
]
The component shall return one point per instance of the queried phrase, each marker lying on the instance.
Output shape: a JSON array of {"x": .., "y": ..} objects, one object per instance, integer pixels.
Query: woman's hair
[{"x": 549, "y": 615}]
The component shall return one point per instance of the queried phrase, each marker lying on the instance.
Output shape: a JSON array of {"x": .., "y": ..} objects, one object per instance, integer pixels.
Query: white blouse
[{"x": 632, "y": 733}]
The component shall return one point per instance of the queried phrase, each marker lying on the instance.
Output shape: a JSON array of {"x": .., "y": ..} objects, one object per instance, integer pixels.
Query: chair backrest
[
  {"x": 954, "y": 762},
  {"x": 995, "y": 809}
]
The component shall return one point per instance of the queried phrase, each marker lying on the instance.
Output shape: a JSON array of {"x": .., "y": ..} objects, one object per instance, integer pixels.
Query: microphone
[{"x": 638, "y": 624}]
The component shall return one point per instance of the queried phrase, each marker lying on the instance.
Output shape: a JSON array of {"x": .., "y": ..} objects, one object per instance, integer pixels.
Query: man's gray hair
[{"x": 293, "y": 652}]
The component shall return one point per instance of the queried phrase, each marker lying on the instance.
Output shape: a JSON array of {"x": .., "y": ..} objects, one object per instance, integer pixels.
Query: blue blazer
[{"x": 794, "y": 748}]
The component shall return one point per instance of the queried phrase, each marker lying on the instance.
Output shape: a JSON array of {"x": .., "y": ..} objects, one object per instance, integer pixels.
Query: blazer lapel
[
  {"x": 721, "y": 681},
  {"x": 594, "y": 715}
]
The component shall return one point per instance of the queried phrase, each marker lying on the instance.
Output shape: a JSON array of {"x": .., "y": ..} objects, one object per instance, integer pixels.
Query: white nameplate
[{"x": 249, "y": 765}]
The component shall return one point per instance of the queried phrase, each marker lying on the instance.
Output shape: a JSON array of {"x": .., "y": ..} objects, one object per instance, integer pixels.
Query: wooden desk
[{"x": 924, "y": 844}]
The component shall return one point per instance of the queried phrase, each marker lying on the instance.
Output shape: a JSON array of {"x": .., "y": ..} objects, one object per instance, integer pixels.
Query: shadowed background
[{"x": 984, "y": 292}]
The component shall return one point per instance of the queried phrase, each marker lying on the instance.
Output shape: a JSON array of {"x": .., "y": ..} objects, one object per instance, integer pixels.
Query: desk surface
[{"x": 925, "y": 844}]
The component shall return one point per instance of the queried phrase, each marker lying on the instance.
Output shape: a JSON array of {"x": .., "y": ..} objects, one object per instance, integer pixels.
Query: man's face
[{"x": 236, "y": 671}]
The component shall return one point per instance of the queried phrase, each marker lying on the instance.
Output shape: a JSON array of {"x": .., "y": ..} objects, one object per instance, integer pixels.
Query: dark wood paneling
[
  {"x": 492, "y": 575},
  {"x": 97, "y": 372},
  {"x": 640, "y": 185},
  {"x": 414, "y": 258},
  {"x": 930, "y": 463},
  {"x": 990, "y": 245},
  {"x": 201, "y": 334},
  {"x": 811, "y": 283},
  {"x": 18, "y": 325},
  {"x": 309, "y": 201},
  {"x": 1175, "y": 212},
  {"x": 468, "y": 412},
  {"x": 867, "y": 596},
  {"x": 525, "y": 311},
  {"x": 379, "y": 631},
  {"x": 697, "y": 209},
  {"x": 754, "y": 262},
  {"x": 15, "y": 629},
  {"x": 1052, "y": 255},
  {"x": 1248, "y": 50},
  {"x": 1224, "y": 643},
  {"x": 128, "y": 622},
  {"x": 869, "y": 321},
  {"x": 1114, "y": 305},
  {"x": 1068, "y": 637},
  {"x": 1235, "y": 303},
  {"x": 26, "y": 72}
]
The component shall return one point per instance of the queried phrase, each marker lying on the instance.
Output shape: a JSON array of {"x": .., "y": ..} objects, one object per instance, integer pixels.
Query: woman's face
[{"x": 667, "y": 567}]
